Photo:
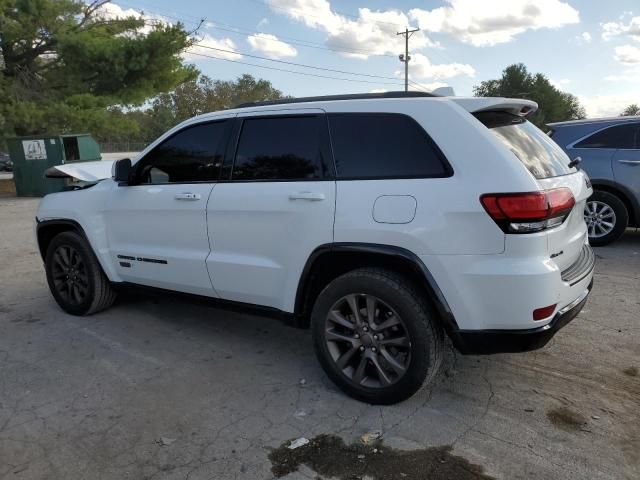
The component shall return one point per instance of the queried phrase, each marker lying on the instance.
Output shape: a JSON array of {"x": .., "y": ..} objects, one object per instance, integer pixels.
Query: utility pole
[{"x": 406, "y": 57}]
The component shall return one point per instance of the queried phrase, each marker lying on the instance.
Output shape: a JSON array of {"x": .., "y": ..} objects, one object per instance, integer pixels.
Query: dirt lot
[{"x": 159, "y": 387}]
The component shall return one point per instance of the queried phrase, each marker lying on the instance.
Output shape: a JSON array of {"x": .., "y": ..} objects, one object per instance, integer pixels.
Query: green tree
[
  {"x": 195, "y": 97},
  {"x": 631, "y": 110},
  {"x": 517, "y": 82},
  {"x": 206, "y": 95},
  {"x": 64, "y": 64}
]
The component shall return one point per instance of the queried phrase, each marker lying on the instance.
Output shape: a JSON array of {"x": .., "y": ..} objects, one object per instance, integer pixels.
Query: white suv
[{"x": 379, "y": 221}]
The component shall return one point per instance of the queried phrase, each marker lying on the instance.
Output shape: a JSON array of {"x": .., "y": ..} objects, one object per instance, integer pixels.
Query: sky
[{"x": 585, "y": 47}]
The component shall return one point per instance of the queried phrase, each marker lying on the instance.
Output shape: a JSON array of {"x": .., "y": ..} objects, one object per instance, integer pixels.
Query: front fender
[{"x": 82, "y": 211}]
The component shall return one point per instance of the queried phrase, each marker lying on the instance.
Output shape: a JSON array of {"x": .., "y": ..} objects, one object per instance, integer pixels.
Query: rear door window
[
  {"x": 281, "y": 148},
  {"x": 619, "y": 137},
  {"x": 383, "y": 145},
  {"x": 541, "y": 155}
]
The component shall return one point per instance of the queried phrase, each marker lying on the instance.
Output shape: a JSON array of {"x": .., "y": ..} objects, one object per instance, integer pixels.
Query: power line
[
  {"x": 417, "y": 86},
  {"x": 245, "y": 31},
  {"x": 344, "y": 14},
  {"x": 303, "y": 43},
  {"x": 162, "y": 13},
  {"x": 296, "y": 41},
  {"x": 291, "y": 71},
  {"x": 289, "y": 63},
  {"x": 442, "y": 55},
  {"x": 345, "y": 72}
]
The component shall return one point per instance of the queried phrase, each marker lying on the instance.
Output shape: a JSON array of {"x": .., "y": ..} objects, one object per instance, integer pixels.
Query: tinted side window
[
  {"x": 621, "y": 136},
  {"x": 381, "y": 145},
  {"x": 191, "y": 155},
  {"x": 281, "y": 148}
]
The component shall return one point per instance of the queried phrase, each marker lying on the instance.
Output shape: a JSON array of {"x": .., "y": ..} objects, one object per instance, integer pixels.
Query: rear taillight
[{"x": 529, "y": 212}]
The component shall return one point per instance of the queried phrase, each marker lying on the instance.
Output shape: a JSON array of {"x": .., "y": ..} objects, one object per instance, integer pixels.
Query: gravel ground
[{"x": 162, "y": 387}]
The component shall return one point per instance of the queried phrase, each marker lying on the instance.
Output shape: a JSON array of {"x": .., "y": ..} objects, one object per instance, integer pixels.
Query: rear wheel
[
  {"x": 75, "y": 277},
  {"x": 606, "y": 216},
  {"x": 375, "y": 336}
]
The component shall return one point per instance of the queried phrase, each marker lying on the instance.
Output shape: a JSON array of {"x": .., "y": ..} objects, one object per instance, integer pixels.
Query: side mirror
[{"x": 122, "y": 171}]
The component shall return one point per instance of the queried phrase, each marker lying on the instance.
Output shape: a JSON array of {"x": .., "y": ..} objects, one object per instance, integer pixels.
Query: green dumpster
[{"x": 32, "y": 156}]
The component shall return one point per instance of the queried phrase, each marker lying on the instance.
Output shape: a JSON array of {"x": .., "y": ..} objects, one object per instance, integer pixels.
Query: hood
[{"x": 83, "y": 171}]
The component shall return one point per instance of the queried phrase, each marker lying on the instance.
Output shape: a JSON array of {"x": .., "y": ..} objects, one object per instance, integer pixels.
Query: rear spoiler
[{"x": 516, "y": 106}]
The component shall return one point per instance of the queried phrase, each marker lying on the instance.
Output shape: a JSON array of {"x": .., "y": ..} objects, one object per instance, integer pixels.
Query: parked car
[
  {"x": 6, "y": 165},
  {"x": 381, "y": 222},
  {"x": 610, "y": 153}
]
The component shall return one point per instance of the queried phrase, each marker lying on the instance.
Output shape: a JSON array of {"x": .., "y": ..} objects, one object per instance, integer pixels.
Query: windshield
[{"x": 541, "y": 155}]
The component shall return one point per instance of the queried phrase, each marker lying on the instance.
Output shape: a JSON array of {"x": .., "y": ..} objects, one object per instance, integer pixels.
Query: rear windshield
[{"x": 541, "y": 155}]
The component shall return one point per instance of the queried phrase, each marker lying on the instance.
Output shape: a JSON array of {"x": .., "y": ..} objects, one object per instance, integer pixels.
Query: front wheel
[
  {"x": 606, "y": 217},
  {"x": 75, "y": 277},
  {"x": 375, "y": 336}
]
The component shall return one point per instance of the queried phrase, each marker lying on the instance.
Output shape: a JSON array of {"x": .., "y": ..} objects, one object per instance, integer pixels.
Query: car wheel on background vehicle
[
  {"x": 75, "y": 277},
  {"x": 606, "y": 216},
  {"x": 375, "y": 336}
]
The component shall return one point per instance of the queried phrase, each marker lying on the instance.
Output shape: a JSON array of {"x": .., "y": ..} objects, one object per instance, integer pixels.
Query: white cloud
[
  {"x": 111, "y": 11},
  {"x": 560, "y": 84},
  {"x": 420, "y": 87},
  {"x": 429, "y": 87},
  {"x": 263, "y": 22},
  {"x": 631, "y": 75},
  {"x": 371, "y": 33},
  {"x": 586, "y": 37},
  {"x": 616, "y": 29},
  {"x": 625, "y": 14},
  {"x": 212, "y": 43},
  {"x": 490, "y": 22},
  {"x": 607, "y": 105},
  {"x": 270, "y": 46},
  {"x": 627, "y": 55},
  {"x": 421, "y": 68}
]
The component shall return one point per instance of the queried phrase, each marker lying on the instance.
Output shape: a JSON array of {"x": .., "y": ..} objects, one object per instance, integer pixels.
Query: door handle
[
  {"x": 192, "y": 197},
  {"x": 310, "y": 196},
  {"x": 630, "y": 162}
]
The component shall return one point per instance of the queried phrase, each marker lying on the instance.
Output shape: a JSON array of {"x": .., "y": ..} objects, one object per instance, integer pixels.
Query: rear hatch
[{"x": 549, "y": 165}]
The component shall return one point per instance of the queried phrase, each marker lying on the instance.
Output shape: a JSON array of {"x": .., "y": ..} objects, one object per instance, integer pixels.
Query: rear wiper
[{"x": 574, "y": 162}]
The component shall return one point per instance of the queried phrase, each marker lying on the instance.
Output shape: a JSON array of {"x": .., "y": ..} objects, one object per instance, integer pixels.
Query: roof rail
[{"x": 327, "y": 98}]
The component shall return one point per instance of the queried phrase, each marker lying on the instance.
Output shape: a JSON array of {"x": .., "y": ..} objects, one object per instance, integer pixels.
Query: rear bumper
[
  {"x": 581, "y": 268},
  {"x": 500, "y": 292},
  {"x": 484, "y": 342}
]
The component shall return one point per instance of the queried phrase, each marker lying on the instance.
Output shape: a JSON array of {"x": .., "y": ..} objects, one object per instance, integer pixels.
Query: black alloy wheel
[
  {"x": 367, "y": 340},
  {"x": 376, "y": 335},
  {"x": 70, "y": 277},
  {"x": 75, "y": 277}
]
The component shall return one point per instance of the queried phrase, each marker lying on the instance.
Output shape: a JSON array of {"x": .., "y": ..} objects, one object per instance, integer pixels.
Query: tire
[
  {"x": 416, "y": 342},
  {"x": 615, "y": 212},
  {"x": 70, "y": 260}
]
